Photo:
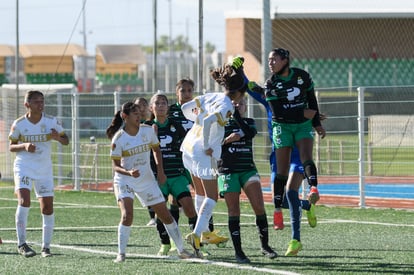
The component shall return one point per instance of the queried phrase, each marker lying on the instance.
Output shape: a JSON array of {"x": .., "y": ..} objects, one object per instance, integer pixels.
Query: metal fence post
[
  {"x": 59, "y": 146},
  {"x": 75, "y": 140},
  {"x": 117, "y": 102},
  {"x": 361, "y": 133}
]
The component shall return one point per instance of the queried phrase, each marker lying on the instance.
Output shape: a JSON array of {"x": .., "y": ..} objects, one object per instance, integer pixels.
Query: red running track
[{"x": 335, "y": 200}]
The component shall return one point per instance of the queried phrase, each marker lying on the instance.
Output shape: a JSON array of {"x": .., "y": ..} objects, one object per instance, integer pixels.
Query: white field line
[
  {"x": 175, "y": 258},
  {"x": 304, "y": 220},
  {"x": 224, "y": 264}
]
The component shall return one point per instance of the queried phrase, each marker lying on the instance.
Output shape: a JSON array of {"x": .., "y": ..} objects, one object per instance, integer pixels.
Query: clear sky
[{"x": 131, "y": 21}]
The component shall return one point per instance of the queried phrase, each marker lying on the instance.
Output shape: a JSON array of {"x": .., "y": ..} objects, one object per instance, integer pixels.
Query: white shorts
[
  {"x": 202, "y": 167},
  {"x": 43, "y": 185},
  {"x": 149, "y": 196}
]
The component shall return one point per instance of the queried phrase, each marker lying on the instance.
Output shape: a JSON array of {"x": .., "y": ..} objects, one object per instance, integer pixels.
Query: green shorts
[
  {"x": 234, "y": 182},
  {"x": 188, "y": 176},
  {"x": 287, "y": 134},
  {"x": 175, "y": 186}
]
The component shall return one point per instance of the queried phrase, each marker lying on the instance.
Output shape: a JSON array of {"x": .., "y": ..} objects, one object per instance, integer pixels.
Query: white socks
[
  {"x": 198, "y": 202},
  {"x": 123, "y": 236},
  {"x": 21, "y": 223},
  {"x": 198, "y": 199},
  {"x": 204, "y": 215},
  {"x": 175, "y": 234},
  {"x": 48, "y": 225}
]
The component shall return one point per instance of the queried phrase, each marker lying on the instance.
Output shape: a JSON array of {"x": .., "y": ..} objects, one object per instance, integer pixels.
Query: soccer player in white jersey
[
  {"x": 30, "y": 138},
  {"x": 130, "y": 153},
  {"x": 202, "y": 145}
]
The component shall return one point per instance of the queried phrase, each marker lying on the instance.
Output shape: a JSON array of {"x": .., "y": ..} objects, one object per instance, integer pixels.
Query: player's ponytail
[{"x": 116, "y": 123}]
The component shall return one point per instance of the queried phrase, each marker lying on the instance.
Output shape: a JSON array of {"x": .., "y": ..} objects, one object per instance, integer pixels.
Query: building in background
[
  {"x": 332, "y": 46},
  {"x": 7, "y": 53},
  {"x": 50, "y": 63},
  {"x": 117, "y": 67}
]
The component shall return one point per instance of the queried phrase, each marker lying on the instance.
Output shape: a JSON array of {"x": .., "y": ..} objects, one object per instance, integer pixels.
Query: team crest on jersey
[
  {"x": 175, "y": 114},
  {"x": 144, "y": 138},
  {"x": 172, "y": 128},
  {"x": 300, "y": 81},
  {"x": 43, "y": 128},
  {"x": 279, "y": 85}
]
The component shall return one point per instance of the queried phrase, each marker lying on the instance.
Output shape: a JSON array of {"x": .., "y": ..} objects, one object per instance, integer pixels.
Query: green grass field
[
  {"x": 337, "y": 156},
  {"x": 346, "y": 241}
]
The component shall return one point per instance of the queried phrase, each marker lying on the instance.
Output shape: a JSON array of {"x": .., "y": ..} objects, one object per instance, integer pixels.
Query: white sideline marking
[
  {"x": 367, "y": 222},
  {"x": 145, "y": 256},
  {"x": 78, "y": 205}
]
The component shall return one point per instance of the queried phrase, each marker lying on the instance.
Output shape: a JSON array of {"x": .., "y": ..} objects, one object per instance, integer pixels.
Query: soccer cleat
[
  {"x": 213, "y": 238},
  {"x": 241, "y": 258},
  {"x": 164, "y": 249},
  {"x": 26, "y": 251},
  {"x": 313, "y": 195},
  {"x": 204, "y": 251},
  {"x": 173, "y": 246},
  {"x": 310, "y": 214},
  {"x": 120, "y": 258},
  {"x": 278, "y": 220},
  {"x": 152, "y": 222},
  {"x": 294, "y": 247},
  {"x": 185, "y": 254},
  {"x": 46, "y": 252},
  {"x": 268, "y": 252},
  {"x": 193, "y": 240}
]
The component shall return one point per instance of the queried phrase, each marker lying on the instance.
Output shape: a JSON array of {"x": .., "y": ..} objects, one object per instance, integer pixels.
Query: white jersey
[
  {"x": 213, "y": 112},
  {"x": 39, "y": 162},
  {"x": 135, "y": 152}
]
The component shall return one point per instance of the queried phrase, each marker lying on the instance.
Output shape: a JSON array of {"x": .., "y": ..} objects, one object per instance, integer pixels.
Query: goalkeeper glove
[
  {"x": 252, "y": 86},
  {"x": 237, "y": 62}
]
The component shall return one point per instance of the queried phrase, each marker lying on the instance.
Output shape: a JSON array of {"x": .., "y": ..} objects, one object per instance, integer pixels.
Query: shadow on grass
[
  {"x": 361, "y": 267},
  {"x": 84, "y": 230},
  {"x": 370, "y": 250},
  {"x": 8, "y": 253},
  {"x": 88, "y": 245}
]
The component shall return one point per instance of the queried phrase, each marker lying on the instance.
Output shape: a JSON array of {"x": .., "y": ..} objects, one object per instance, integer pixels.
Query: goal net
[{"x": 391, "y": 130}]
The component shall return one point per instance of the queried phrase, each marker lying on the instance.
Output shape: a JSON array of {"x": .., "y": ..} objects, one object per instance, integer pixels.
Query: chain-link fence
[
  {"x": 369, "y": 134},
  {"x": 369, "y": 129}
]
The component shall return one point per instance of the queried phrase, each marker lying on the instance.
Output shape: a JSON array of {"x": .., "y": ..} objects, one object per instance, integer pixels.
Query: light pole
[
  {"x": 16, "y": 59},
  {"x": 170, "y": 46},
  {"x": 266, "y": 36},
  {"x": 84, "y": 58},
  {"x": 200, "y": 47},
  {"x": 154, "y": 57}
]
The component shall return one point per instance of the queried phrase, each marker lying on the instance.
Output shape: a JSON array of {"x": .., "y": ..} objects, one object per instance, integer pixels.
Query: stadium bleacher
[
  {"x": 365, "y": 72},
  {"x": 49, "y": 78}
]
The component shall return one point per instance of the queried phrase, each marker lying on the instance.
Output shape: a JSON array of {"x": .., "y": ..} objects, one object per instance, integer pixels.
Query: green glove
[
  {"x": 254, "y": 87},
  {"x": 237, "y": 62}
]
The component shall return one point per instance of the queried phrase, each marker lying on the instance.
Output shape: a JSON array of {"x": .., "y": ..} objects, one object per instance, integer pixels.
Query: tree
[
  {"x": 180, "y": 44},
  {"x": 209, "y": 48}
]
